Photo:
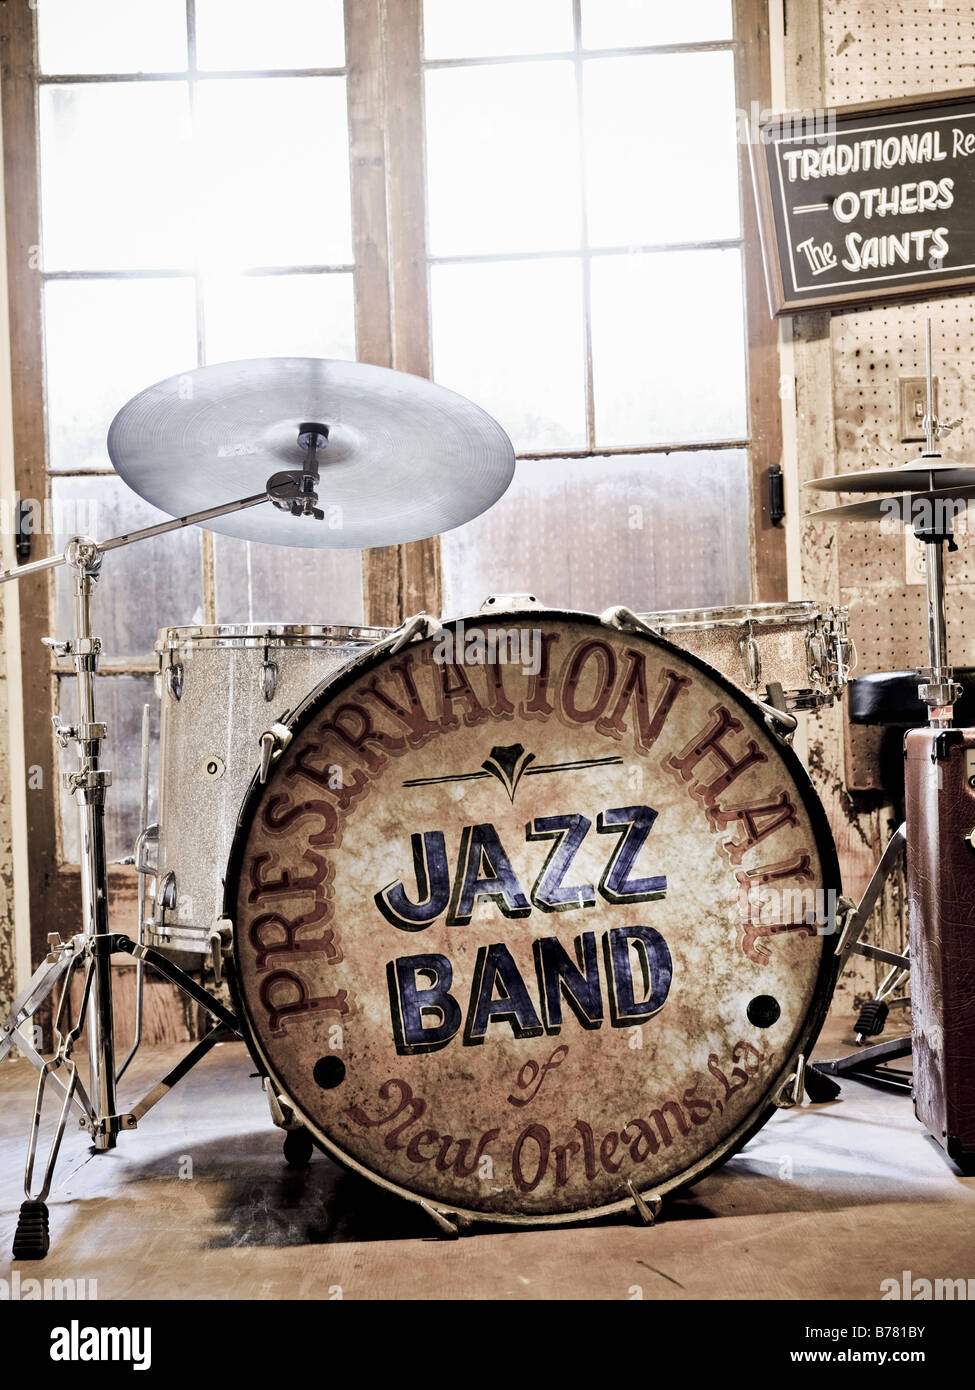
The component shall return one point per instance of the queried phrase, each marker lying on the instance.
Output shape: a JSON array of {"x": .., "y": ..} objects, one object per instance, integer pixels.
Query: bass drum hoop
[{"x": 728, "y": 1147}]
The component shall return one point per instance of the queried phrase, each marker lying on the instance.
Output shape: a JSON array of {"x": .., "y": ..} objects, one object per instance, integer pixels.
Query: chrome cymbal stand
[
  {"x": 938, "y": 690},
  {"x": 91, "y": 948}
]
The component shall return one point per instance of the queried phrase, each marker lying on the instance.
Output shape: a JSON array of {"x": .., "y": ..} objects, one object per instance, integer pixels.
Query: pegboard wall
[{"x": 874, "y": 51}]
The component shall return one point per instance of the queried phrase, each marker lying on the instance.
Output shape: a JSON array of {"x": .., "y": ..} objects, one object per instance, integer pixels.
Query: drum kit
[{"x": 529, "y": 915}]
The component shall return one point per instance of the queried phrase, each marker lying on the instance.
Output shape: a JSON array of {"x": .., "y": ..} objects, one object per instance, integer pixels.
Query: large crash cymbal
[
  {"x": 405, "y": 458},
  {"x": 908, "y": 507},
  {"x": 916, "y": 476}
]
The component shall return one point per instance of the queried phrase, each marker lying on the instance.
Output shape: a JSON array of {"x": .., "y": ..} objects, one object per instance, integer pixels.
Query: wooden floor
[{"x": 826, "y": 1202}]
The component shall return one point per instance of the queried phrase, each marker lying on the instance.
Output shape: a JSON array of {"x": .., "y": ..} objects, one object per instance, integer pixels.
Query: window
[
  {"x": 195, "y": 208},
  {"x": 585, "y": 280}
]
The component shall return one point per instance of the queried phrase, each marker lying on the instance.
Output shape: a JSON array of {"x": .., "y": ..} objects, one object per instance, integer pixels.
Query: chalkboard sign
[{"x": 867, "y": 203}]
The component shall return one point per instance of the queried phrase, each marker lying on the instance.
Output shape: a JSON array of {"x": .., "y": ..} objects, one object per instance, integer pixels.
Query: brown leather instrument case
[{"x": 940, "y": 806}]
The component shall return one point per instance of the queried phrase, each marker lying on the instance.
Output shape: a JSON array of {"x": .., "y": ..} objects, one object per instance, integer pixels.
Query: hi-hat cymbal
[
  {"x": 405, "y": 458},
  {"x": 916, "y": 476},
  {"x": 907, "y": 507}
]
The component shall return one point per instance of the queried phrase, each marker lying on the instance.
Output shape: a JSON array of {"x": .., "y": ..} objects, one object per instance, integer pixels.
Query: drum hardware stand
[
  {"x": 939, "y": 691},
  {"x": 92, "y": 948}
]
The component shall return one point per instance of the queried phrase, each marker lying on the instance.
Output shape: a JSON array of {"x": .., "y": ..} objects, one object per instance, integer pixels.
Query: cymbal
[
  {"x": 405, "y": 458},
  {"x": 902, "y": 505},
  {"x": 915, "y": 476}
]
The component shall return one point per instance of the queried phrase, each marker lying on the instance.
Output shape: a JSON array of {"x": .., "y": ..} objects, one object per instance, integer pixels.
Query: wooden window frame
[{"x": 384, "y": 82}]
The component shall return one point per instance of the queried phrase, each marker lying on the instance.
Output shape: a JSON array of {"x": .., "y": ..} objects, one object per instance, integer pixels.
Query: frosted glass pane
[
  {"x": 144, "y": 586},
  {"x": 640, "y": 23},
  {"x": 105, "y": 340},
  {"x": 589, "y": 533},
  {"x": 503, "y": 159},
  {"x": 274, "y": 172},
  {"x": 682, "y": 186},
  {"x": 248, "y": 35},
  {"x": 510, "y": 336},
  {"x": 668, "y": 342},
  {"x": 473, "y": 29},
  {"x": 118, "y": 703},
  {"x": 91, "y": 36},
  {"x": 280, "y": 316},
  {"x": 268, "y": 584},
  {"x": 116, "y": 176}
]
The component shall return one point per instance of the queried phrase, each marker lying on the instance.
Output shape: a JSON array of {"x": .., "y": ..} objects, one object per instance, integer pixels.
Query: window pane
[
  {"x": 638, "y": 23},
  {"x": 248, "y": 35},
  {"x": 118, "y": 703},
  {"x": 684, "y": 187},
  {"x": 509, "y": 335},
  {"x": 274, "y": 172},
  {"x": 668, "y": 347},
  {"x": 116, "y": 176},
  {"x": 473, "y": 29},
  {"x": 503, "y": 159},
  {"x": 86, "y": 36},
  {"x": 142, "y": 587},
  {"x": 280, "y": 316},
  {"x": 105, "y": 341},
  {"x": 590, "y": 533},
  {"x": 265, "y": 584}
]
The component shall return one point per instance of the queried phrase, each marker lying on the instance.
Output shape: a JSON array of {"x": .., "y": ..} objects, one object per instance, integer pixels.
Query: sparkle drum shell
[
  {"x": 556, "y": 936},
  {"x": 804, "y": 647},
  {"x": 220, "y": 688}
]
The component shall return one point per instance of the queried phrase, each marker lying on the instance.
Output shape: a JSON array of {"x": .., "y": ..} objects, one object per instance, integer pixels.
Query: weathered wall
[
  {"x": 847, "y": 368},
  {"x": 7, "y": 976}
]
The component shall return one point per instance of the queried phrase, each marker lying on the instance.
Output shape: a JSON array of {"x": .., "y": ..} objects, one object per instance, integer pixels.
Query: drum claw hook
[
  {"x": 792, "y": 1089},
  {"x": 446, "y": 1227},
  {"x": 647, "y": 1208},
  {"x": 420, "y": 625},
  {"x": 625, "y": 620}
]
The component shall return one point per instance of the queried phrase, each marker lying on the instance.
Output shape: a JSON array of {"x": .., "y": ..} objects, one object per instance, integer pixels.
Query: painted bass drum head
[{"x": 527, "y": 914}]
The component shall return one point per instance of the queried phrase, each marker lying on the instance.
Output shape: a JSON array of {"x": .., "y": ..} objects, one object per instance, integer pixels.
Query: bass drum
[{"x": 530, "y": 919}]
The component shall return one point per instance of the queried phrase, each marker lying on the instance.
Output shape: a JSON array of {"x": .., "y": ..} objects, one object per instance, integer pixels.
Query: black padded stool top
[{"x": 890, "y": 697}]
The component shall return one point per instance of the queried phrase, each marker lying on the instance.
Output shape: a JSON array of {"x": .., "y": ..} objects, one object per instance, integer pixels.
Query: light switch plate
[{"x": 913, "y": 403}]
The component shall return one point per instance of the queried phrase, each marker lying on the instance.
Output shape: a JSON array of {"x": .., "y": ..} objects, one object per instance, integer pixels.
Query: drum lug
[
  {"x": 166, "y": 892},
  {"x": 269, "y": 677},
  {"x": 625, "y": 620},
  {"x": 751, "y": 660},
  {"x": 421, "y": 625},
  {"x": 273, "y": 743},
  {"x": 646, "y": 1208},
  {"x": 791, "y": 1093},
  {"x": 174, "y": 679}
]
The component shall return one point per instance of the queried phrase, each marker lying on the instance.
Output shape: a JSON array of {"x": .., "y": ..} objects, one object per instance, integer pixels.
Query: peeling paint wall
[{"x": 847, "y": 371}]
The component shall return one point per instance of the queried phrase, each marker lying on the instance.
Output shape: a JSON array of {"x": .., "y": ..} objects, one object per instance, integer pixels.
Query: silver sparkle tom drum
[
  {"x": 804, "y": 648},
  {"x": 220, "y": 688}
]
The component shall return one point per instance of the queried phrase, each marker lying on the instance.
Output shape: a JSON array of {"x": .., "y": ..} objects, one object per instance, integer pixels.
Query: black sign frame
[{"x": 793, "y": 267}]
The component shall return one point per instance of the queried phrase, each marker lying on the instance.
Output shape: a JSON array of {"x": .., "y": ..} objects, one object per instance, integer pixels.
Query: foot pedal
[
  {"x": 819, "y": 1087},
  {"x": 872, "y": 1018},
  {"x": 32, "y": 1239}
]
